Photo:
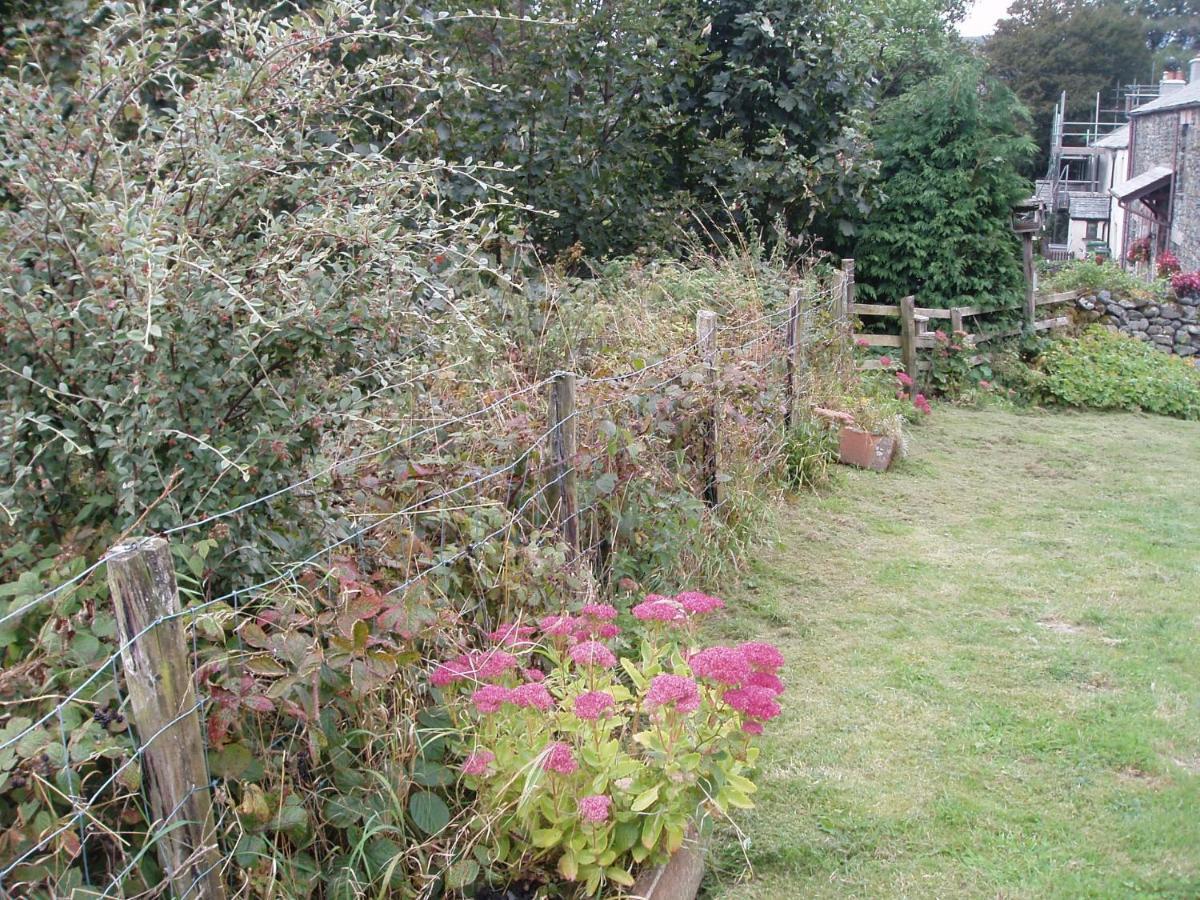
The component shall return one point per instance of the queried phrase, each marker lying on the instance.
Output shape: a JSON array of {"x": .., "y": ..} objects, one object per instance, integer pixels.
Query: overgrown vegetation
[
  {"x": 1104, "y": 370},
  {"x": 1092, "y": 277}
]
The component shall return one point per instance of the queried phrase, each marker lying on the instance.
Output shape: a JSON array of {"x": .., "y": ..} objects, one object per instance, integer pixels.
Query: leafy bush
[
  {"x": 591, "y": 762},
  {"x": 1090, "y": 277},
  {"x": 214, "y": 255},
  {"x": 1105, "y": 370}
]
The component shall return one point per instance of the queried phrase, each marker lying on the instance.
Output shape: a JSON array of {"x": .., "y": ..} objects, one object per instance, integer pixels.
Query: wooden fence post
[
  {"x": 956, "y": 320},
  {"x": 793, "y": 340},
  {"x": 563, "y": 445},
  {"x": 908, "y": 337},
  {"x": 158, "y": 679},
  {"x": 1030, "y": 278},
  {"x": 847, "y": 286},
  {"x": 706, "y": 335}
]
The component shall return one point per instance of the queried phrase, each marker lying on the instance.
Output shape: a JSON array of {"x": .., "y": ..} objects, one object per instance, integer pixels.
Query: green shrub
[
  {"x": 1091, "y": 278},
  {"x": 1104, "y": 370}
]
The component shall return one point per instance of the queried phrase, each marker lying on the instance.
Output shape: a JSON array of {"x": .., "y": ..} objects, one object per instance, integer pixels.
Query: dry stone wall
[{"x": 1172, "y": 326}]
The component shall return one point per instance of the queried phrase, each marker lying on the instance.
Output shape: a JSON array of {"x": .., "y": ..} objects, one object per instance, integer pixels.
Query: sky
[{"x": 982, "y": 17}]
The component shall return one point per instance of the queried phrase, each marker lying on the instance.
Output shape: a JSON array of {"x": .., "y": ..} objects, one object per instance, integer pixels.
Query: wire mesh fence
[{"x": 118, "y": 772}]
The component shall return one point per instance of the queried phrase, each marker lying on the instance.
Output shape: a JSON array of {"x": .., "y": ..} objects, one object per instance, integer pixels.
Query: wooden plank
[
  {"x": 875, "y": 309},
  {"x": 158, "y": 680},
  {"x": 937, "y": 313},
  {"x": 879, "y": 340},
  {"x": 1057, "y": 322},
  {"x": 1062, "y": 297}
]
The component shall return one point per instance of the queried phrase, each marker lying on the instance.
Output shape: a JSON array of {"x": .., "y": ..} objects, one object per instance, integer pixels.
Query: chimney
[
  {"x": 1171, "y": 81},
  {"x": 1194, "y": 70}
]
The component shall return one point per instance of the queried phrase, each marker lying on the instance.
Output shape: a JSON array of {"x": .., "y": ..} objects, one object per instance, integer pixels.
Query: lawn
[{"x": 993, "y": 668}]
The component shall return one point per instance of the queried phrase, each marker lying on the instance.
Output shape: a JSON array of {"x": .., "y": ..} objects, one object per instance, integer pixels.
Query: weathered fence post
[
  {"x": 793, "y": 341},
  {"x": 908, "y": 336},
  {"x": 563, "y": 445},
  {"x": 956, "y": 320},
  {"x": 1030, "y": 278},
  {"x": 706, "y": 336},
  {"x": 847, "y": 287},
  {"x": 158, "y": 679}
]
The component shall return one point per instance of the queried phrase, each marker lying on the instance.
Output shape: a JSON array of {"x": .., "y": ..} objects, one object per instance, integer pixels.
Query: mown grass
[{"x": 993, "y": 666}]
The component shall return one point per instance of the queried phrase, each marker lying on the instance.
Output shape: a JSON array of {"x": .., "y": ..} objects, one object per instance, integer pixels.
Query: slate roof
[
  {"x": 1086, "y": 205},
  {"x": 1116, "y": 140},
  {"x": 1188, "y": 95},
  {"x": 1143, "y": 184}
]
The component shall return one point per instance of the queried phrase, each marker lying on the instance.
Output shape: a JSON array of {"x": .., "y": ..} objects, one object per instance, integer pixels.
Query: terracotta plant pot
[
  {"x": 678, "y": 878},
  {"x": 866, "y": 450}
]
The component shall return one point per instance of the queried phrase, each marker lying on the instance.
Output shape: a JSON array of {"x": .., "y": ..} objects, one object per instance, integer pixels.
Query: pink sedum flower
[
  {"x": 724, "y": 665},
  {"x": 765, "y": 680},
  {"x": 593, "y": 653},
  {"x": 532, "y": 674},
  {"x": 678, "y": 691},
  {"x": 452, "y": 671},
  {"x": 904, "y": 379},
  {"x": 595, "y": 808},
  {"x": 495, "y": 664},
  {"x": 602, "y": 612},
  {"x": 532, "y": 696},
  {"x": 754, "y": 702},
  {"x": 762, "y": 657},
  {"x": 659, "y": 609},
  {"x": 478, "y": 762},
  {"x": 513, "y": 635},
  {"x": 489, "y": 698},
  {"x": 593, "y": 704},
  {"x": 699, "y": 604},
  {"x": 885, "y": 361},
  {"x": 556, "y": 626},
  {"x": 752, "y": 727},
  {"x": 560, "y": 759}
]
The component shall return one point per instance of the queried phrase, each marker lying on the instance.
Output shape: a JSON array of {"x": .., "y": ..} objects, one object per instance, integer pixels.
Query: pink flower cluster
[
  {"x": 593, "y": 704},
  {"x": 676, "y": 691},
  {"x": 752, "y": 664},
  {"x": 491, "y": 697},
  {"x": 478, "y": 762},
  {"x": 922, "y": 404},
  {"x": 595, "y": 808},
  {"x": 757, "y": 704},
  {"x": 478, "y": 665},
  {"x": 592, "y": 653},
  {"x": 1186, "y": 284},
  {"x": 657, "y": 608},
  {"x": 559, "y": 758},
  {"x": 513, "y": 635}
]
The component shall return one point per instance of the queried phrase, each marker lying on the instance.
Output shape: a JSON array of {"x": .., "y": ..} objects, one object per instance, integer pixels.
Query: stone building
[{"x": 1161, "y": 193}]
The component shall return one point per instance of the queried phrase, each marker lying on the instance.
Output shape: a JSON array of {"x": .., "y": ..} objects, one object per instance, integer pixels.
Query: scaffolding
[{"x": 1074, "y": 166}]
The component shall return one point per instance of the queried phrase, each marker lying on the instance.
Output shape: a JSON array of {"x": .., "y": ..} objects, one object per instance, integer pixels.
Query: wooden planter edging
[{"x": 677, "y": 879}]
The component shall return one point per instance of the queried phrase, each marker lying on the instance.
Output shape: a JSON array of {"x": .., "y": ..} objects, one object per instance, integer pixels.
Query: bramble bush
[
  {"x": 589, "y": 761},
  {"x": 215, "y": 252}
]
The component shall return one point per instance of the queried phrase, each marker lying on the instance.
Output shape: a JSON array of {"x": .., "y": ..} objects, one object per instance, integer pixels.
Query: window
[{"x": 1092, "y": 230}]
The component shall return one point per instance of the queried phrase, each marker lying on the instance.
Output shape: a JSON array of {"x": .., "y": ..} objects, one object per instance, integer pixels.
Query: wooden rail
[{"x": 915, "y": 334}]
